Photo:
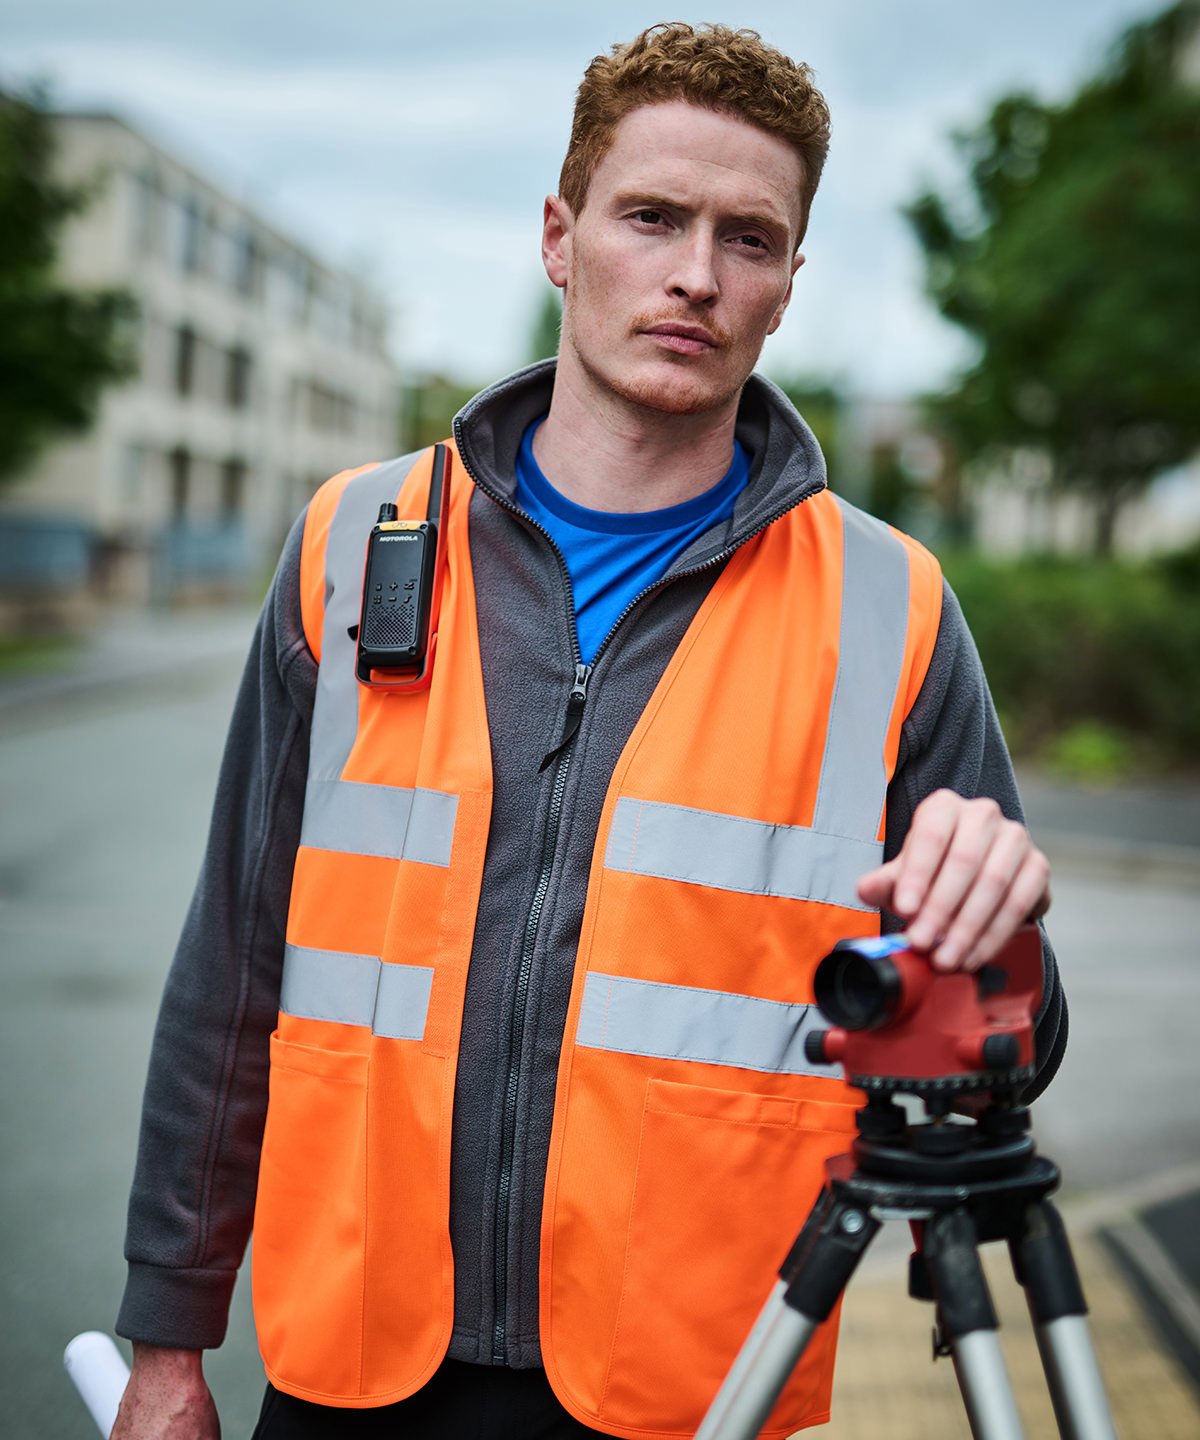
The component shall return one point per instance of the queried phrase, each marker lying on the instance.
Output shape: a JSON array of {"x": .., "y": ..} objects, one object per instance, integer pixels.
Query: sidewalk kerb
[{"x": 1120, "y": 857}]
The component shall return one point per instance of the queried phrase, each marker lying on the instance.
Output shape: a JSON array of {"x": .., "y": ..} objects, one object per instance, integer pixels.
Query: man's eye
[
  {"x": 753, "y": 242},
  {"x": 650, "y": 217}
]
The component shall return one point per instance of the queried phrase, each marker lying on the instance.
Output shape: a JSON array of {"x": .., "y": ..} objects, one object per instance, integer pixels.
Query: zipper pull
[{"x": 575, "y": 703}]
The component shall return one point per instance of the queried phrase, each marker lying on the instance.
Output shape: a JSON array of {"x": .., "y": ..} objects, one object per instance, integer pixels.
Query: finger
[
  {"x": 1042, "y": 904},
  {"x": 985, "y": 896},
  {"x": 925, "y": 846},
  {"x": 974, "y": 833},
  {"x": 1021, "y": 903},
  {"x": 875, "y": 888}
]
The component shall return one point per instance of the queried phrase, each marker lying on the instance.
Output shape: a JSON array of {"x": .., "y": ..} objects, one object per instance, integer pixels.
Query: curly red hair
[{"x": 731, "y": 71}]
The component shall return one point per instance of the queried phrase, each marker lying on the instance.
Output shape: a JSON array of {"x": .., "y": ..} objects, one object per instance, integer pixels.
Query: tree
[
  {"x": 547, "y": 325},
  {"x": 430, "y": 403},
  {"x": 58, "y": 347},
  {"x": 820, "y": 402},
  {"x": 1074, "y": 269},
  {"x": 428, "y": 407}
]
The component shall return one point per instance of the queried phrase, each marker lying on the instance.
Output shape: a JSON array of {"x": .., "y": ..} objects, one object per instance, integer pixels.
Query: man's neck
[{"x": 608, "y": 454}]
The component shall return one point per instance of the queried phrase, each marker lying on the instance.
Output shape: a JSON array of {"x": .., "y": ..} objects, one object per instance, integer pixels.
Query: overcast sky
[{"x": 416, "y": 142}]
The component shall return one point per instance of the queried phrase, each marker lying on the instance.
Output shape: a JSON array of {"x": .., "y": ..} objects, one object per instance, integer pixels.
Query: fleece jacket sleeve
[
  {"x": 192, "y": 1202},
  {"x": 952, "y": 740}
]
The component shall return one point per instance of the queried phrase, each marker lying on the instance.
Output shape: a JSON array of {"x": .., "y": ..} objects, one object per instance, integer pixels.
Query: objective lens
[{"x": 857, "y": 991}]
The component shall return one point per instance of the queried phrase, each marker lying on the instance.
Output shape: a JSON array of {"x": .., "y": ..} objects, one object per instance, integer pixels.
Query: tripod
[{"x": 961, "y": 1185}]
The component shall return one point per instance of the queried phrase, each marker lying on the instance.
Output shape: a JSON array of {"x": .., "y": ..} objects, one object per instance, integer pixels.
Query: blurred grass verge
[
  {"x": 1094, "y": 665},
  {"x": 22, "y": 655}
]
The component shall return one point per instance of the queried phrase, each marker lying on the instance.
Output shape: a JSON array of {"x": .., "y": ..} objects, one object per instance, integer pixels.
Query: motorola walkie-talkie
[{"x": 397, "y": 630}]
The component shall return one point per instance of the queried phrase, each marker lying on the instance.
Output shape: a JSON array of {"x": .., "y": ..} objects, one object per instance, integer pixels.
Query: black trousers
[{"x": 461, "y": 1402}]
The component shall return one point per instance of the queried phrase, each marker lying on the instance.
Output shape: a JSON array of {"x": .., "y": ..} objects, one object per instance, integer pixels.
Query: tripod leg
[
  {"x": 768, "y": 1317},
  {"x": 968, "y": 1322},
  {"x": 1045, "y": 1267},
  {"x": 828, "y": 1249}
]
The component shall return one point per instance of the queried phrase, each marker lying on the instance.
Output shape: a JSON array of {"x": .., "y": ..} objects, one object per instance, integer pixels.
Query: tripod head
[{"x": 950, "y": 1039}]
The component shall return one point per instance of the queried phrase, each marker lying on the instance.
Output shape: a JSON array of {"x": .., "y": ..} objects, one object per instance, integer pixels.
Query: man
[{"x": 535, "y": 943}]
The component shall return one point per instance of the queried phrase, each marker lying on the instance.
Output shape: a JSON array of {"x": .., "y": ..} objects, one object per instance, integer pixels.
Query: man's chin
[{"x": 676, "y": 393}]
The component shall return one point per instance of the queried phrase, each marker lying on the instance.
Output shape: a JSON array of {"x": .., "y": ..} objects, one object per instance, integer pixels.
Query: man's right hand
[{"x": 166, "y": 1398}]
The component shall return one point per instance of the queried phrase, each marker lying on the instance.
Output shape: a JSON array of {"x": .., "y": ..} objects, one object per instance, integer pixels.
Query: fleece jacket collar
[{"x": 786, "y": 464}]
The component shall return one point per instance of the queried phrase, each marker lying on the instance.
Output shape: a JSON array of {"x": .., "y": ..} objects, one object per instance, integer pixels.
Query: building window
[
  {"x": 192, "y": 257},
  {"x": 148, "y": 212},
  {"x": 180, "y": 463},
  {"x": 185, "y": 360},
  {"x": 248, "y": 270},
  {"x": 224, "y": 252},
  {"x": 304, "y": 283},
  {"x": 327, "y": 409},
  {"x": 233, "y": 488},
  {"x": 237, "y": 381},
  {"x": 131, "y": 474}
]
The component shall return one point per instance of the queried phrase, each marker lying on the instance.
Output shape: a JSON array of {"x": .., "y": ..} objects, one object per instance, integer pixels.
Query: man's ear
[
  {"x": 777, "y": 318},
  {"x": 558, "y": 221}
]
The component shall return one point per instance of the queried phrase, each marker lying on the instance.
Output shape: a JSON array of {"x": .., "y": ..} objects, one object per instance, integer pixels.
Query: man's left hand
[{"x": 965, "y": 880}]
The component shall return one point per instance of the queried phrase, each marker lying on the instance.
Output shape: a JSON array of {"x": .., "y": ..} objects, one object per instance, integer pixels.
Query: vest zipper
[
  {"x": 560, "y": 757},
  {"x": 571, "y": 721}
]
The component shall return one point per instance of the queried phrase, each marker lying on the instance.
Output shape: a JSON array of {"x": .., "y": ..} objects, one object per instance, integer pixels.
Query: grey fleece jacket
[{"x": 192, "y": 1200}]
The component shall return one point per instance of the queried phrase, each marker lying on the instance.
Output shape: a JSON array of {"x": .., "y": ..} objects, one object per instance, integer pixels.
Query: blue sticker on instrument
[{"x": 877, "y": 947}]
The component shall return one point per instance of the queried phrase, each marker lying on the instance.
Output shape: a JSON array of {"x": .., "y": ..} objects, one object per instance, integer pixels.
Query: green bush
[
  {"x": 1089, "y": 750},
  {"x": 1071, "y": 642}
]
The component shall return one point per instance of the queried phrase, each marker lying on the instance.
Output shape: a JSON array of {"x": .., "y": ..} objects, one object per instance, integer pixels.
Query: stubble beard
[{"x": 692, "y": 397}]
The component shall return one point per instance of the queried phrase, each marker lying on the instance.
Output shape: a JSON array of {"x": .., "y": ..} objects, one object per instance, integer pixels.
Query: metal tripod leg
[
  {"x": 1045, "y": 1267},
  {"x": 967, "y": 1321},
  {"x": 825, "y": 1255}
]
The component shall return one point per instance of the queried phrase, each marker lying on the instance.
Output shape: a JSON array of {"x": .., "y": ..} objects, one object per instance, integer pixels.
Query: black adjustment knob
[
  {"x": 1005, "y": 1123},
  {"x": 990, "y": 980},
  {"x": 881, "y": 1119},
  {"x": 814, "y": 1047},
  {"x": 387, "y": 511},
  {"x": 1001, "y": 1052}
]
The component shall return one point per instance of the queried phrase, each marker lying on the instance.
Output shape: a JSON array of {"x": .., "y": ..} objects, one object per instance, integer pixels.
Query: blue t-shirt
[{"x": 612, "y": 557}]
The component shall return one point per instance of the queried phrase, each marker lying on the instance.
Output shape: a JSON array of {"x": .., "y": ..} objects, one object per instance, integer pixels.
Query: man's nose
[{"x": 693, "y": 276}]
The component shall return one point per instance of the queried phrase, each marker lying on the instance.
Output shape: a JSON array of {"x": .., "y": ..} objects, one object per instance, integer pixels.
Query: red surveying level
[{"x": 903, "y": 1030}]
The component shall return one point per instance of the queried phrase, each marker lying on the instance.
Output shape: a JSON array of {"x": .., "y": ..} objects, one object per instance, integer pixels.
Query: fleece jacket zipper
[{"x": 559, "y": 757}]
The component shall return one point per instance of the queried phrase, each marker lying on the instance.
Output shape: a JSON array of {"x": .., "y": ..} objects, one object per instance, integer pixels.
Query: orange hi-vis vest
[{"x": 689, "y": 1130}]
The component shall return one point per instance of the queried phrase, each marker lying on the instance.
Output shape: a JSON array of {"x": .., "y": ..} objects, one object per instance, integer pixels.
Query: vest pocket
[
  {"x": 724, "y": 1181},
  {"x": 309, "y": 1222}
]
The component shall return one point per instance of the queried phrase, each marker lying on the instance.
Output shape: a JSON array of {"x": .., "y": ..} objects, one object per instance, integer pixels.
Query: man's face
[{"x": 681, "y": 262}]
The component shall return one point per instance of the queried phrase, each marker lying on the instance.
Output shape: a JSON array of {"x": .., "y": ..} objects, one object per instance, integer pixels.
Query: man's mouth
[{"x": 682, "y": 338}]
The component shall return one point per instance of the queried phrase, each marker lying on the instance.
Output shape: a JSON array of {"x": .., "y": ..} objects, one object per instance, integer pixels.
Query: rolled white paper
[{"x": 100, "y": 1375}]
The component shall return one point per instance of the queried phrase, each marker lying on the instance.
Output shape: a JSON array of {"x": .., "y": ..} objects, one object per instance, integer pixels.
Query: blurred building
[
  {"x": 262, "y": 371},
  {"x": 1017, "y": 507},
  {"x": 888, "y": 459},
  {"x": 891, "y": 461}
]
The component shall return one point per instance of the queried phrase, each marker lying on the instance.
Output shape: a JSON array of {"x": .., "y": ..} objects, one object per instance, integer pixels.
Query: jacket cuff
[{"x": 185, "y": 1309}]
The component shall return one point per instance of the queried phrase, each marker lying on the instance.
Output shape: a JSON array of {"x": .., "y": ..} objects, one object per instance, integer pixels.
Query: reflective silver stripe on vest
[
  {"x": 391, "y": 1000},
  {"x": 727, "y": 852},
  {"x": 359, "y": 819},
  {"x": 822, "y": 863},
  {"x": 873, "y": 631},
  {"x": 677, "y": 1022},
  {"x": 335, "y": 713},
  {"x": 349, "y": 816}
]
